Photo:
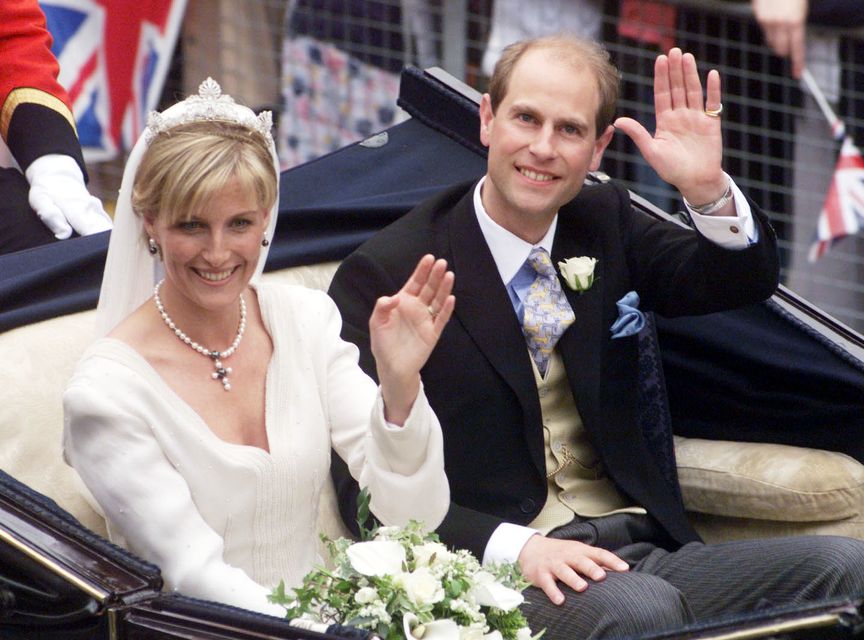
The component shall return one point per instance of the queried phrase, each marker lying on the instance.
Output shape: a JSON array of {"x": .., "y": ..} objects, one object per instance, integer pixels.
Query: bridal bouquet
[{"x": 401, "y": 583}]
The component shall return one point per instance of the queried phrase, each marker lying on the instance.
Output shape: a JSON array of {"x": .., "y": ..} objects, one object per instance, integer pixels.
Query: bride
[{"x": 202, "y": 422}]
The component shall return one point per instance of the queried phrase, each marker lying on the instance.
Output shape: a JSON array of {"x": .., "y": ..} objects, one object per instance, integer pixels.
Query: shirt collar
[{"x": 508, "y": 250}]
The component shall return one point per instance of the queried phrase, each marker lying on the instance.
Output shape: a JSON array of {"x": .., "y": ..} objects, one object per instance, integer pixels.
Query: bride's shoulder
[
  {"x": 108, "y": 364},
  {"x": 293, "y": 296},
  {"x": 123, "y": 353}
]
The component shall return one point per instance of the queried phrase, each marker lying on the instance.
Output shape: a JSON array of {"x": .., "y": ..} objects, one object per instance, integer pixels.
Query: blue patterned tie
[{"x": 546, "y": 311}]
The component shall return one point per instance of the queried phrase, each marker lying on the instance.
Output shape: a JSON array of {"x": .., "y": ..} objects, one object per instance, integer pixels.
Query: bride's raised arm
[{"x": 404, "y": 329}]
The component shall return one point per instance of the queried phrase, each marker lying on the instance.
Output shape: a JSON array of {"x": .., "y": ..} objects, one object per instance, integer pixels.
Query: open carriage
[{"x": 757, "y": 415}]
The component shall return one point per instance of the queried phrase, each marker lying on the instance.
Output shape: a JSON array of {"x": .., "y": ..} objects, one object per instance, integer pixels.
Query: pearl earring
[
  {"x": 152, "y": 247},
  {"x": 265, "y": 242}
]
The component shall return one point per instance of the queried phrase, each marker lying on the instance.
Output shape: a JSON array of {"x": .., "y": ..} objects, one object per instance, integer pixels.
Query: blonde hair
[
  {"x": 581, "y": 53},
  {"x": 185, "y": 166}
]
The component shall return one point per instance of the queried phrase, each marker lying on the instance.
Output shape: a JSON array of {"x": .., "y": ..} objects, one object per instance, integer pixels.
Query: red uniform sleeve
[{"x": 35, "y": 116}]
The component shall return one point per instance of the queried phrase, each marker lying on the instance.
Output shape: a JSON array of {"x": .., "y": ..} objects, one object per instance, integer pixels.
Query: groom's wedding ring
[
  {"x": 714, "y": 113},
  {"x": 432, "y": 312}
]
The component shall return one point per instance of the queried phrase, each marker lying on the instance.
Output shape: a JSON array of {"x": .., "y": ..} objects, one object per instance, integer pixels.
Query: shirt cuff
[
  {"x": 405, "y": 448},
  {"x": 730, "y": 232},
  {"x": 506, "y": 542}
]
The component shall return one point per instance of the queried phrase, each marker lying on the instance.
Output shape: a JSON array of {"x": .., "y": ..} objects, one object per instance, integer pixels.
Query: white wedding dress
[{"x": 227, "y": 522}]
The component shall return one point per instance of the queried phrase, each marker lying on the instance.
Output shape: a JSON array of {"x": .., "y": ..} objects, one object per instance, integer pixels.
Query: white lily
[
  {"x": 488, "y": 592},
  {"x": 471, "y": 633},
  {"x": 445, "y": 629},
  {"x": 365, "y": 595}
]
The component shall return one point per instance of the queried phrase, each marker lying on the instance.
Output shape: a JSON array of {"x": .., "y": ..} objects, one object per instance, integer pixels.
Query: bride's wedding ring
[
  {"x": 714, "y": 113},
  {"x": 432, "y": 312}
]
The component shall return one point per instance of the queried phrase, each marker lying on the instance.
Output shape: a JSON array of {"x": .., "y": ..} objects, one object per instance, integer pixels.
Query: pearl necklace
[{"x": 221, "y": 374}]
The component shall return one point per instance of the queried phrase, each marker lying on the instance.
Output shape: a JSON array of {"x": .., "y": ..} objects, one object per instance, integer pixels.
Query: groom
[{"x": 536, "y": 390}]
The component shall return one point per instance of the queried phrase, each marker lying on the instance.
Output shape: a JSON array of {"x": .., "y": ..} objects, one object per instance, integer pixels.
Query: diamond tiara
[{"x": 209, "y": 104}]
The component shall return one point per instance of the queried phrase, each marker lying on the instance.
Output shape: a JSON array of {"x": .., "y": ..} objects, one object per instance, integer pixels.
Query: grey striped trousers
[{"x": 666, "y": 590}]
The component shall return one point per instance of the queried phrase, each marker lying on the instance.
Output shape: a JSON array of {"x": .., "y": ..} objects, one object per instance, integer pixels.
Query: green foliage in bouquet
[{"x": 402, "y": 583}]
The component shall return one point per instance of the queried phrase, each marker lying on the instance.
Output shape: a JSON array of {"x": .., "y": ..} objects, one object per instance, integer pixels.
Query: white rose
[
  {"x": 578, "y": 272},
  {"x": 421, "y": 586},
  {"x": 386, "y": 533},
  {"x": 376, "y": 557},
  {"x": 430, "y": 553},
  {"x": 365, "y": 595}
]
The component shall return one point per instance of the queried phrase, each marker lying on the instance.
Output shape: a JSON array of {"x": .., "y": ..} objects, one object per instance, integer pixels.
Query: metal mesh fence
[
  {"x": 329, "y": 71},
  {"x": 778, "y": 144}
]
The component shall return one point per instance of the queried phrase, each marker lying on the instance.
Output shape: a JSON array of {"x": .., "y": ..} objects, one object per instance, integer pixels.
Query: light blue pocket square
[{"x": 630, "y": 320}]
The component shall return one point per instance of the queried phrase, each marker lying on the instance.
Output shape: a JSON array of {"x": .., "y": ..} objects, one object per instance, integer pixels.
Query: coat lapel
[
  {"x": 580, "y": 346},
  {"x": 485, "y": 311}
]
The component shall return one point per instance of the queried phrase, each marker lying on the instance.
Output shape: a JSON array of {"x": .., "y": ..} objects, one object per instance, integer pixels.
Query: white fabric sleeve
[
  {"x": 403, "y": 467},
  {"x": 730, "y": 232},
  {"x": 506, "y": 542},
  {"x": 147, "y": 501}
]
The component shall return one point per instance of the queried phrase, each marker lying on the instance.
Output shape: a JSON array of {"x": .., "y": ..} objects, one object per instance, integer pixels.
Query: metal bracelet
[{"x": 713, "y": 207}]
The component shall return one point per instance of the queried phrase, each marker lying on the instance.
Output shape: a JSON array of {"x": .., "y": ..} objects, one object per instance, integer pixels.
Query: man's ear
[
  {"x": 486, "y": 119},
  {"x": 600, "y": 146}
]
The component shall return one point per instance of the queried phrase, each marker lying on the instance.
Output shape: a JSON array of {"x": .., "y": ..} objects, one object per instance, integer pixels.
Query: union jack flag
[
  {"x": 843, "y": 212},
  {"x": 114, "y": 55}
]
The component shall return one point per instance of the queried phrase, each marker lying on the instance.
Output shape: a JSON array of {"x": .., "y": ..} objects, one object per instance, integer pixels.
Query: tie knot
[{"x": 541, "y": 262}]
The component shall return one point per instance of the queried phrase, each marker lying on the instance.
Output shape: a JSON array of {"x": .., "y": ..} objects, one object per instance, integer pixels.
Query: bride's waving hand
[{"x": 404, "y": 329}]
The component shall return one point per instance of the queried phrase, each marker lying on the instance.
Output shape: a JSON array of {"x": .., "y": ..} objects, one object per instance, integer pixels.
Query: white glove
[{"x": 60, "y": 198}]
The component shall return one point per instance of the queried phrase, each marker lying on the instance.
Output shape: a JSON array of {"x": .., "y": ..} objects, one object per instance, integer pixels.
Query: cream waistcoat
[{"x": 576, "y": 481}]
